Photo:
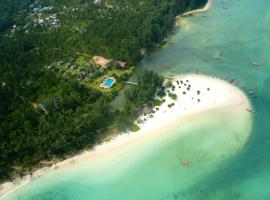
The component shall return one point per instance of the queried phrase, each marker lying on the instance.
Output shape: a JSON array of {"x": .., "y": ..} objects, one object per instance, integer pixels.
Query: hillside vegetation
[{"x": 34, "y": 34}]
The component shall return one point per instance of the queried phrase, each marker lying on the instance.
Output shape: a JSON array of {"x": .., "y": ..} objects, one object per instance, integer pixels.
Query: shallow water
[
  {"x": 228, "y": 162},
  {"x": 151, "y": 167},
  {"x": 239, "y": 35}
]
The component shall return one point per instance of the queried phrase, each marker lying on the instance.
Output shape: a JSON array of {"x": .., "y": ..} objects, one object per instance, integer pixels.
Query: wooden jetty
[{"x": 131, "y": 83}]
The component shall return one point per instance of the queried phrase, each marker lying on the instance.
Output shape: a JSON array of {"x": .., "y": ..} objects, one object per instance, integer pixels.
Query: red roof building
[{"x": 122, "y": 64}]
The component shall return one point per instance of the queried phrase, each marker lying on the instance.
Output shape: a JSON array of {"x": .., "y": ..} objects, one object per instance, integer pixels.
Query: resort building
[
  {"x": 97, "y": 2},
  {"x": 122, "y": 64}
]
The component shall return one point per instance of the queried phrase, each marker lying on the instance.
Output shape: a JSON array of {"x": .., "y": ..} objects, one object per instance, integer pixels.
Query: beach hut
[
  {"x": 50, "y": 67},
  {"x": 97, "y": 2},
  {"x": 60, "y": 62},
  {"x": 146, "y": 110}
]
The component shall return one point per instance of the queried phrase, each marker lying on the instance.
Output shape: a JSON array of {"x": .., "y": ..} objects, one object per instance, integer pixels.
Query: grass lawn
[{"x": 116, "y": 73}]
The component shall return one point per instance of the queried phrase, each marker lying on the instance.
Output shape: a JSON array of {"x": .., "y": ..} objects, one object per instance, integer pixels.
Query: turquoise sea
[{"x": 228, "y": 160}]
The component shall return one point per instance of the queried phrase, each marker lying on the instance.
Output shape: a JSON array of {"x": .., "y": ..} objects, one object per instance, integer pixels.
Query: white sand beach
[
  {"x": 204, "y": 9},
  {"x": 204, "y": 94}
]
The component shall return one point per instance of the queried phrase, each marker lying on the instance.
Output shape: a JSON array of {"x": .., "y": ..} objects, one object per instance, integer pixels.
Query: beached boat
[{"x": 249, "y": 110}]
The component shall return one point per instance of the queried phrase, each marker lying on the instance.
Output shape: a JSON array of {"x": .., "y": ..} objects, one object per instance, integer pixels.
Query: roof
[
  {"x": 121, "y": 63},
  {"x": 146, "y": 110},
  {"x": 103, "y": 62}
]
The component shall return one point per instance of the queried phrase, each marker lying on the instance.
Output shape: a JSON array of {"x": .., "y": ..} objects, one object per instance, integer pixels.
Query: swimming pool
[{"x": 108, "y": 82}]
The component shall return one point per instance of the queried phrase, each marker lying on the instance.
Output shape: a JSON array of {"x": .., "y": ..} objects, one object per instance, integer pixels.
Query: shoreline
[
  {"x": 204, "y": 9},
  {"x": 220, "y": 94},
  {"x": 11, "y": 186}
]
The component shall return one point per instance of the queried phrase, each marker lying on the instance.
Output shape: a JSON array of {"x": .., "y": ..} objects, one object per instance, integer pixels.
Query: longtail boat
[
  {"x": 186, "y": 163},
  {"x": 249, "y": 110}
]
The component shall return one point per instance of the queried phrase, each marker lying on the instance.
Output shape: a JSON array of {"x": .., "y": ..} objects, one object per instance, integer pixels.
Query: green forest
[{"x": 34, "y": 34}]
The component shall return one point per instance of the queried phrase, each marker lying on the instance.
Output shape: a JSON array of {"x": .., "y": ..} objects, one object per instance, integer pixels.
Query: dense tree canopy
[{"x": 43, "y": 115}]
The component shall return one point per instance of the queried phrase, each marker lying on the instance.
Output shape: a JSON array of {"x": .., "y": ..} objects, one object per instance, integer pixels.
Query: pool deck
[{"x": 104, "y": 82}]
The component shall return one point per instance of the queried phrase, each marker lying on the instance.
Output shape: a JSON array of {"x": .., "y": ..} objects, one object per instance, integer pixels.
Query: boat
[
  {"x": 206, "y": 60},
  {"x": 251, "y": 92},
  {"x": 249, "y": 110},
  {"x": 255, "y": 63},
  {"x": 242, "y": 86},
  {"x": 236, "y": 82},
  {"x": 231, "y": 79},
  {"x": 186, "y": 163}
]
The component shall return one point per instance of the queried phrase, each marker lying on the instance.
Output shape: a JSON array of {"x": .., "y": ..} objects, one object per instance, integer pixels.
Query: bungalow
[
  {"x": 79, "y": 78},
  {"x": 102, "y": 70},
  {"x": 146, "y": 110},
  {"x": 122, "y": 64},
  {"x": 71, "y": 59},
  {"x": 88, "y": 64},
  {"x": 68, "y": 65},
  {"x": 85, "y": 73},
  {"x": 73, "y": 75},
  {"x": 88, "y": 79},
  {"x": 61, "y": 71},
  {"x": 60, "y": 62},
  {"x": 92, "y": 75},
  {"x": 103, "y": 62},
  {"x": 97, "y": 2},
  {"x": 73, "y": 67}
]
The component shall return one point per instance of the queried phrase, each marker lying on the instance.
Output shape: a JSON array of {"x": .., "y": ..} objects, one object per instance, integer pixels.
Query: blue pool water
[{"x": 108, "y": 83}]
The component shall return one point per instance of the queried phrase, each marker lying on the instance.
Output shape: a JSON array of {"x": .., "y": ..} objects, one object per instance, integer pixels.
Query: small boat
[
  {"x": 249, "y": 110},
  {"x": 250, "y": 92},
  {"x": 217, "y": 57},
  {"x": 253, "y": 96},
  {"x": 255, "y": 63},
  {"x": 186, "y": 163},
  {"x": 242, "y": 86}
]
